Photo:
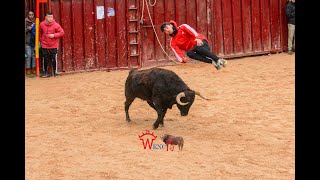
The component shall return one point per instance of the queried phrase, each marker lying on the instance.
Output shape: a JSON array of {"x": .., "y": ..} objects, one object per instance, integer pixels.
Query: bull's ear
[{"x": 198, "y": 94}]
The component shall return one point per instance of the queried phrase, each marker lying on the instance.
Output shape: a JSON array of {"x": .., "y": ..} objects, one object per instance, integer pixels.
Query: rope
[
  {"x": 154, "y": 29},
  {"x": 155, "y": 1},
  {"x": 141, "y": 19}
]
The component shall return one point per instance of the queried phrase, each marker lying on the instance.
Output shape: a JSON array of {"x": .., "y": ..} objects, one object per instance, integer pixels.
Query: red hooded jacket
[
  {"x": 50, "y": 28},
  {"x": 184, "y": 40}
]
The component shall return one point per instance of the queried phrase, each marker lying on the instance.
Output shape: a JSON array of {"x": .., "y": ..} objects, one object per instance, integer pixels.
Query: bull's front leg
[
  {"x": 164, "y": 113},
  {"x": 160, "y": 112}
]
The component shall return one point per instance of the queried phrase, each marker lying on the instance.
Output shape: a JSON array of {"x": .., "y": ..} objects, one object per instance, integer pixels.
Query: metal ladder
[{"x": 133, "y": 34}]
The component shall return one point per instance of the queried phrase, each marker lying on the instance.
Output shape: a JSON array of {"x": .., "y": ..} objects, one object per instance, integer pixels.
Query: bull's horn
[
  {"x": 179, "y": 96},
  {"x": 198, "y": 93}
]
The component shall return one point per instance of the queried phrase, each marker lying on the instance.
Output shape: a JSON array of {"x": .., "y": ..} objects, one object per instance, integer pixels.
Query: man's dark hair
[
  {"x": 49, "y": 13},
  {"x": 164, "y": 25},
  {"x": 175, "y": 31}
]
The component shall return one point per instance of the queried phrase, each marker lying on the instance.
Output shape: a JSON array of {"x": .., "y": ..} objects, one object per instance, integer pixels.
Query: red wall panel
[
  {"x": 217, "y": 27},
  {"x": 237, "y": 27},
  {"x": 265, "y": 25},
  {"x": 121, "y": 32},
  {"x": 77, "y": 35},
  {"x": 227, "y": 24},
  {"x": 67, "y": 44},
  {"x": 100, "y": 38},
  {"x": 89, "y": 34},
  {"x": 256, "y": 26},
  {"x": 159, "y": 19},
  {"x": 246, "y": 26},
  {"x": 275, "y": 24},
  {"x": 111, "y": 34}
]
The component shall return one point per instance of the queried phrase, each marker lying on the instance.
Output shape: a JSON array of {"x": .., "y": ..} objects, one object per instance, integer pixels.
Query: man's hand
[
  {"x": 199, "y": 42},
  {"x": 29, "y": 28},
  {"x": 186, "y": 60},
  {"x": 51, "y": 35}
]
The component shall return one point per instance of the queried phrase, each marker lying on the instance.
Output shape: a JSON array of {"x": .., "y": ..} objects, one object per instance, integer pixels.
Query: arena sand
[{"x": 76, "y": 128}]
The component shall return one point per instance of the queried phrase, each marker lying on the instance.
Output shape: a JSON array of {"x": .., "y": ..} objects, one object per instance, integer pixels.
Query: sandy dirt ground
[{"x": 76, "y": 128}]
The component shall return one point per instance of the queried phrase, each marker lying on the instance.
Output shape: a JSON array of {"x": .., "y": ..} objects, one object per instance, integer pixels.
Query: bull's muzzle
[{"x": 183, "y": 114}]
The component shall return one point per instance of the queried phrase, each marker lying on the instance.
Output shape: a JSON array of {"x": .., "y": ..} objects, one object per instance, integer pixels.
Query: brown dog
[{"x": 169, "y": 139}]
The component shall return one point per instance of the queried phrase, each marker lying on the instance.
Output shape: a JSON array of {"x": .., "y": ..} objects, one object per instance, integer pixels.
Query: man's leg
[
  {"x": 46, "y": 57},
  {"x": 53, "y": 56},
  {"x": 28, "y": 59},
  {"x": 33, "y": 56},
  {"x": 220, "y": 61},
  {"x": 294, "y": 37},
  {"x": 290, "y": 37},
  {"x": 205, "y": 51},
  {"x": 194, "y": 55}
]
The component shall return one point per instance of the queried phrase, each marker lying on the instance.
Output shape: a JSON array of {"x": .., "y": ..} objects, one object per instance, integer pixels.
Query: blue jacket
[
  {"x": 33, "y": 36},
  {"x": 33, "y": 30},
  {"x": 291, "y": 12}
]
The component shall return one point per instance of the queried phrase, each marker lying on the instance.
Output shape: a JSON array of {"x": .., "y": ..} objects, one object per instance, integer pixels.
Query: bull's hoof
[
  {"x": 129, "y": 121},
  {"x": 154, "y": 127},
  {"x": 161, "y": 125}
]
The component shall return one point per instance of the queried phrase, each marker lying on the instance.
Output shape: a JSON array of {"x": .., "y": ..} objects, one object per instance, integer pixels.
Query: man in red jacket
[
  {"x": 185, "y": 38},
  {"x": 50, "y": 32}
]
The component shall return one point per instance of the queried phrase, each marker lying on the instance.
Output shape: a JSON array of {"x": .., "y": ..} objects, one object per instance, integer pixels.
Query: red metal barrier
[{"x": 120, "y": 40}]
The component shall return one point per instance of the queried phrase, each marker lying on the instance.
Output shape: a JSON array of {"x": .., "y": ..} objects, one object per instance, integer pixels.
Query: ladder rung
[
  {"x": 134, "y": 55},
  {"x": 133, "y": 31},
  {"x": 133, "y": 43},
  {"x": 133, "y": 8},
  {"x": 133, "y": 20}
]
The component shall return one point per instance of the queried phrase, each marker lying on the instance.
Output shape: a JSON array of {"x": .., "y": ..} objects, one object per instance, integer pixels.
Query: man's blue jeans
[{"x": 31, "y": 58}]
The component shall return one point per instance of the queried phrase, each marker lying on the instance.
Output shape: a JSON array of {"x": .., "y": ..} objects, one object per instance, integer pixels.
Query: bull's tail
[{"x": 133, "y": 69}]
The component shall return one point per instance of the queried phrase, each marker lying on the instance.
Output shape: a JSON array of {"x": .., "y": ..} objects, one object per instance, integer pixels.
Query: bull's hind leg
[{"x": 126, "y": 108}]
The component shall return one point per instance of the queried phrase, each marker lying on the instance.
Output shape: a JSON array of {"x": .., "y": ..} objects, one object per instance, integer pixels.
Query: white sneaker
[
  {"x": 222, "y": 62},
  {"x": 216, "y": 65}
]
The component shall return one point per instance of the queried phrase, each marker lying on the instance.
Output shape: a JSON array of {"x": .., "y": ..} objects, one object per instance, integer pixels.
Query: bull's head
[{"x": 184, "y": 101}]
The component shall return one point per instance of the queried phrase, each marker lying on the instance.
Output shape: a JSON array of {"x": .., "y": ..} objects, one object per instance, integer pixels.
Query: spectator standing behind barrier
[
  {"x": 50, "y": 32},
  {"x": 30, "y": 42},
  {"x": 185, "y": 38},
  {"x": 290, "y": 12}
]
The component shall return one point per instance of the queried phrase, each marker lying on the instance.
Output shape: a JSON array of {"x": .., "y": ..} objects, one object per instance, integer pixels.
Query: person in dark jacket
[
  {"x": 290, "y": 12},
  {"x": 29, "y": 44},
  {"x": 185, "y": 38}
]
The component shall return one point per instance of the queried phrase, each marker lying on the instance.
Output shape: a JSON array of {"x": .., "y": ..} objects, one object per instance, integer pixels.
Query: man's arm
[
  {"x": 177, "y": 51},
  {"x": 191, "y": 31},
  {"x": 59, "y": 32}
]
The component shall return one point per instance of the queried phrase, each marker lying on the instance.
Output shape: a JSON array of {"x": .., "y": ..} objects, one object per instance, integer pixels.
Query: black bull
[{"x": 161, "y": 89}]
